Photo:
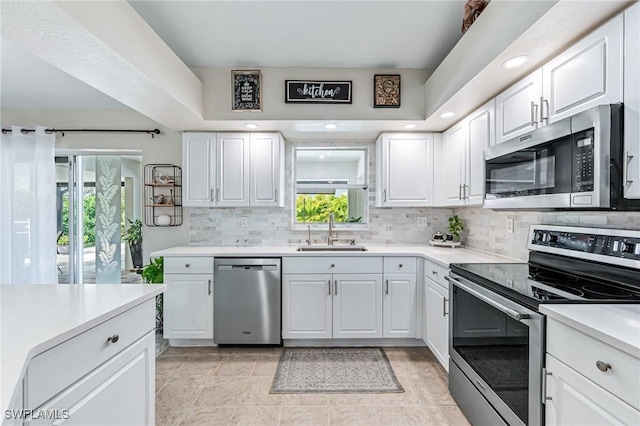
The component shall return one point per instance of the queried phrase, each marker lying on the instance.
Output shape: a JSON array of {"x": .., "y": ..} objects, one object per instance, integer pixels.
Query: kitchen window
[{"x": 331, "y": 180}]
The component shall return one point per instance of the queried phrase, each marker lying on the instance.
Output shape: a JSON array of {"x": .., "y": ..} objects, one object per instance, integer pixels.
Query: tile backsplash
[
  {"x": 486, "y": 229},
  {"x": 273, "y": 226}
]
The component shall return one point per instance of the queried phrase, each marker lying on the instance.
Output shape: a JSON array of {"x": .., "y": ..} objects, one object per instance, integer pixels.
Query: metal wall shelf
[{"x": 162, "y": 194}]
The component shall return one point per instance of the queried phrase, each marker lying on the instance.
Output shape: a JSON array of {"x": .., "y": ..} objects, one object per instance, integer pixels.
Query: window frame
[{"x": 363, "y": 186}]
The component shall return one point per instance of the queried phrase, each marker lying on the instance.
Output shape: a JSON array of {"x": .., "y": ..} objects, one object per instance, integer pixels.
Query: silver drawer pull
[
  {"x": 332, "y": 265},
  {"x": 434, "y": 273},
  {"x": 603, "y": 366},
  {"x": 113, "y": 339},
  {"x": 400, "y": 265},
  {"x": 186, "y": 265}
]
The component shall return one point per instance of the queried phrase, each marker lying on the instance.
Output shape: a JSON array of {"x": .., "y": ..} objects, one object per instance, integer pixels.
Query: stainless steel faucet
[{"x": 333, "y": 234}]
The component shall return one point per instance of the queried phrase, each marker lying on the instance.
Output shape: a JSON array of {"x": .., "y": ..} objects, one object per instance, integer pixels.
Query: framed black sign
[
  {"x": 246, "y": 91},
  {"x": 317, "y": 92}
]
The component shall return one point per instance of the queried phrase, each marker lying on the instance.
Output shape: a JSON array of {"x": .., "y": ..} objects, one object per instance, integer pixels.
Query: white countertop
[
  {"x": 617, "y": 325},
  {"x": 441, "y": 255},
  {"x": 35, "y": 318}
]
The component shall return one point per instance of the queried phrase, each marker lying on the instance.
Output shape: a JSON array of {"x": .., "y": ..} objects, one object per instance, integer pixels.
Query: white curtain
[{"x": 27, "y": 208}]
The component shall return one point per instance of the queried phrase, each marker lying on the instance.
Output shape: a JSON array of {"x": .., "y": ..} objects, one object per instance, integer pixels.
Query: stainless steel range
[{"x": 496, "y": 343}]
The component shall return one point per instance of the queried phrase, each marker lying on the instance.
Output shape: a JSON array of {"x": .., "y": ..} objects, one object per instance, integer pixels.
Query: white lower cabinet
[
  {"x": 324, "y": 306},
  {"x": 188, "y": 301},
  {"x": 400, "y": 305},
  {"x": 103, "y": 376},
  {"x": 588, "y": 381},
  {"x": 437, "y": 323}
]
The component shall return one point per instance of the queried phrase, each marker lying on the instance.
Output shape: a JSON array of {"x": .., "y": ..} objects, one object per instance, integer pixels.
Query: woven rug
[{"x": 335, "y": 370}]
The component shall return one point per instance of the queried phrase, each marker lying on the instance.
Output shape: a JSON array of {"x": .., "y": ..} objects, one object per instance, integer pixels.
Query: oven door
[
  {"x": 498, "y": 345},
  {"x": 533, "y": 171}
]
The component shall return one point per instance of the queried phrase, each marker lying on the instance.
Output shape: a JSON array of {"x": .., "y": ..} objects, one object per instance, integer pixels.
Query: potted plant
[
  {"x": 455, "y": 227},
  {"x": 133, "y": 235},
  {"x": 153, "y": 273}
]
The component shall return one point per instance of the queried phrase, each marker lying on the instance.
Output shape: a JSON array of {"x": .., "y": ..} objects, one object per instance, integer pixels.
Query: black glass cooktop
[{"x": 533, "y": 284}]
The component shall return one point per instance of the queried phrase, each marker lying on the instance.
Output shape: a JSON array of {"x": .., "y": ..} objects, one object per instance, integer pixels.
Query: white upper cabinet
[
  {"x": 632, "y": 101},
  {"x": 198, "y": 155},
  {"x": 587, "y": 74},
  {"x": 233, "y": 169},
  {"x": 452, "y": 164},
  {"x": 518, "y": 108},
  {"x": 404, "y": 170},
  {"x": 461, "y": 165},
  {"x": 267, "y": 170}
]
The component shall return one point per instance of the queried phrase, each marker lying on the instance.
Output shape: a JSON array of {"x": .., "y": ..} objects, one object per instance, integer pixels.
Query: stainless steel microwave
[{"x": 575, "y": 163}]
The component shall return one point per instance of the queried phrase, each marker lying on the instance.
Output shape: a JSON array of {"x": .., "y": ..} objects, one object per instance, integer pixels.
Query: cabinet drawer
[
  {"x": 331, "y": 265},
  {"x": 582, "y": 352},
  {"x": 54, "y": 370},
  {"x": 188, "y": 265},
  {"x": 436, "y": 273},
  {"x": 400, "y": 265}
]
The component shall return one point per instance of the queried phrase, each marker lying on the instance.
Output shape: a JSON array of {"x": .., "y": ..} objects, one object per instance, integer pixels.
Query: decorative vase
[{"x": 136, "y": 254}]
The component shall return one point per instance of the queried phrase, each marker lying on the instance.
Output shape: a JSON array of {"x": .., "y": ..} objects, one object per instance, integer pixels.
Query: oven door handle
[{"x": 518, "y": 316}]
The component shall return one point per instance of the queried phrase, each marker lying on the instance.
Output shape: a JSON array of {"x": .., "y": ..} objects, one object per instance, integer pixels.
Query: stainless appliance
[
  {"x": 247, "y": 301},
  {"x": 496, "y": 344},
  {"x": 576, "y": 163}
]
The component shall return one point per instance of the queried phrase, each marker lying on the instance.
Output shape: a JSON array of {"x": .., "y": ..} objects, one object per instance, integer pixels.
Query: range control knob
[{"x": 626, "y": 248}]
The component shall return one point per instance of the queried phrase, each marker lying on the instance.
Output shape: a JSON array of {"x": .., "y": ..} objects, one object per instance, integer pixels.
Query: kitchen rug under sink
[{"x": 335, "y": 370}]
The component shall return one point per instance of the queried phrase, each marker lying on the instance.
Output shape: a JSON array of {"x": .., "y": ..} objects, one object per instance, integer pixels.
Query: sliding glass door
[{"x": 94, "y": 194}]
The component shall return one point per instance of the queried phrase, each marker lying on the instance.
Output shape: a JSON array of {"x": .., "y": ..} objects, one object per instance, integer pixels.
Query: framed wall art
[
  {"x": 246, "y": 91},
  {"x": 386, "y": 91},
  {"x": 317, "y": 92}
]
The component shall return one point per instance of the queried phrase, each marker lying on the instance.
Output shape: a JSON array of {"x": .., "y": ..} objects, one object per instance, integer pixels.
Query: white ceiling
[
  {"x": 314, "y": 34},
  {"x": 302, "y": 33}
]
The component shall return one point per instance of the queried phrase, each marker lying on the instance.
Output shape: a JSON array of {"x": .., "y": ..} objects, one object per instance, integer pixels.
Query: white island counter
[{"x": 36, "y": 318}]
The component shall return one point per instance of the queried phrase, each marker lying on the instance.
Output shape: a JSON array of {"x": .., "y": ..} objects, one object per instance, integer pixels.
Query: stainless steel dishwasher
[{"x": 247, "y": 301}]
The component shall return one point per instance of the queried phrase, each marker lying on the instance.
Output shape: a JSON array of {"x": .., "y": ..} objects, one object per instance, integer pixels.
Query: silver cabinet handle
[
  {"x": 400, "y": 265},
  {"x": 335, "y": 288},
  {"x": 329, "y": 285},
  {"x": 186, "y": 265},
  {"x": 276, "y": 195},
  {"x": 209, "y": 287},
  {"x": 464, "y": 191},
  {"x": 518, "y": 316},
  {"x": 534, "y": 114},
  {"x": 211, "y": 195},
  {"x": 545, "y": 375},
  {"x": 333, "y": 265},
  {"x": 625, "y": 167},
  {"x": 434, "y": 273},
  {"x": 385, "y": 195},
  {"x": 217, "y": 194},
  {"x": 603, "y": 366},
  {"x": 444, "y": 306},
  {"x": 387, "y": 286},
  {"x": 459, "y": 192},
  {"x": 113, "y": 339},
  {"x": 544, "y": 116}
]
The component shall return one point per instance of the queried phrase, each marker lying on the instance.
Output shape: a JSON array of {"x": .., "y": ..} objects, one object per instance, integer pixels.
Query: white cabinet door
[
  {"x": 438, "y": 322},
  {"x": 481, "y": 135},
  {"x": 518, "y": 108},
  {"x": 632, "y": 101},
  {"x": 198, "y": 161},
  {"x": 452, "y": 164},
  {"x": 404, "y": 166},
  {"x": 119, "y": 392},
  {"x": 587, "y": 74},
  {"x": 266, "y": 170},
  {"x": 399, "y": 306},
  {"x": 232, "y": 171},
  {"x": 307, "y": 306},
  {"x": 357, "y": 305},
  {"x": 572, "y": 399},
  {"x": 188, "y": 306}
]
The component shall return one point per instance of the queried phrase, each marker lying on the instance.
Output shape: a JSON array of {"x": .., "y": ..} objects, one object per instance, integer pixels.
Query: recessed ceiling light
[
  {"x": 251, "y": 126},
  {"x": 516, "y": 61},
  {"x": 409, "y": 126},
  {"x": 330, "y": 126},
  {"x": 447, "y": 114}
]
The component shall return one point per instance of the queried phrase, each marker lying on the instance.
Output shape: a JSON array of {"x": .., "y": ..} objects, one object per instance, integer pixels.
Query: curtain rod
[{"x": 49, "y": 131}]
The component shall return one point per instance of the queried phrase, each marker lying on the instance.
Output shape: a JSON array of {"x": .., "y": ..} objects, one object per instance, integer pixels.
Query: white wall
[{"x": 163, "y": 148}]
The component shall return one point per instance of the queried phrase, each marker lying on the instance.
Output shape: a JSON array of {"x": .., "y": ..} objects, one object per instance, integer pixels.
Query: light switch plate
[
  {"x": 244, "y": 221},
  {"x": 422, "y": 221},
  {"x": 510, "y": 225}
]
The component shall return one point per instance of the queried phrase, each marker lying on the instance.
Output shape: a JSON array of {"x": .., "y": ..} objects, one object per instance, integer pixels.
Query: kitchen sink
[{"x": 331, "y": 248}]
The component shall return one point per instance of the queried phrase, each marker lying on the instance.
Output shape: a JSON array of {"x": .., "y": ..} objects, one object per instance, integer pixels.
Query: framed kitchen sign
[
  {"x": 246, "y": 90},
  {"x": 317, "y": 92},
  {"x": 386, "y": 91}
]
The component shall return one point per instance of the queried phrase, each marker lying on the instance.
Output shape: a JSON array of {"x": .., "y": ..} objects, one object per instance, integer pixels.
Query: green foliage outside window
[{"x": 315, "y": 208}]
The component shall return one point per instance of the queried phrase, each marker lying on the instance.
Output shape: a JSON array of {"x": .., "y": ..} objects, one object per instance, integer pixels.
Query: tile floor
[{"x": 211, "y": 386}]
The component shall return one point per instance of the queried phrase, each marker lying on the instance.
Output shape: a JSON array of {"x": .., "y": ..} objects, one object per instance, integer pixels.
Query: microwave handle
[
  {"x": 625, "y": 167},
  {"x": 518, "y": 316}
]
